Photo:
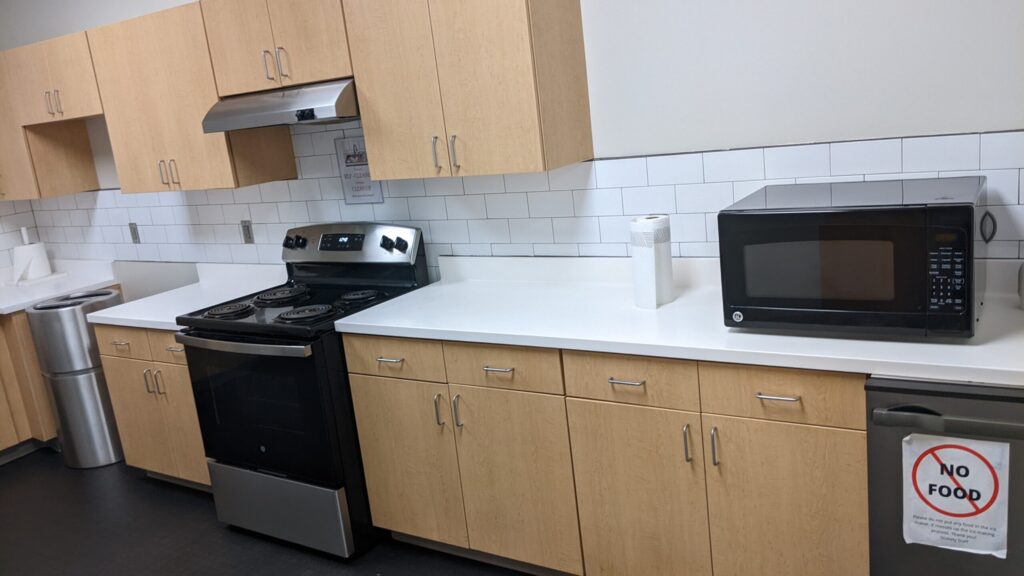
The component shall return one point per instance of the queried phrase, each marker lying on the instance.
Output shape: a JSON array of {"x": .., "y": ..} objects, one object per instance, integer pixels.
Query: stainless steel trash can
[{"x": 70, "y": 362}]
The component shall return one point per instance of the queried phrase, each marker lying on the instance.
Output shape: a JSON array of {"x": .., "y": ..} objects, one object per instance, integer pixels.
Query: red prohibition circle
[{"x": 991, "y": 469}]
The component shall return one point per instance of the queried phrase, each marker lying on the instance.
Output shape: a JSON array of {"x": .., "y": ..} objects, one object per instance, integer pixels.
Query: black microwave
[{"x": 886, "y": 257}]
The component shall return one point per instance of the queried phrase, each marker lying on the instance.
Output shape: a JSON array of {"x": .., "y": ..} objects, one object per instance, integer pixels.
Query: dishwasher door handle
[{"x": 948, "y": 424}]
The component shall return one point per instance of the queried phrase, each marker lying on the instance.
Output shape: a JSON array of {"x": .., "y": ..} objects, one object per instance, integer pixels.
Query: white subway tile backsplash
[
  {"x": 466, "y": 207},
  {"x": 620, "y": 173},
  {"x": 275, "y": 192},
  {"x": 555, "y": 250},
  {"x": 1002, "y": 150},
  {"x": 302, "y": 190},
  {"x": 512, "y": 250},
  {"x": 302, "y": 144},
  {"x": 574, "y": 230},
  {"x": 649, "y": 200},
  {"x": 318, "y": 166},
  {"x": 405, "y": 188},
  {"x": 603, "y": 250},
  {"x": 323, "y": 211},
  {"x": 615, "y": 228},
  {"x": 551, "y": 204},
  {"x": 1003, "y": 186},
  {"x": 599, "y": 202},
  {"x": 226, "y": 196},
  {"x": 530, "y": 230},
  {"x": 796, "y": 161},
  {"x": 264, "y": 213},
  {"x": 444, "y": 186},
  {"x": 140, "y": 216},
  {"x": 294, "y": 211},
  {"x": 488, "y": 231},
  {"x": 331, "y": 189},
  {"x": 212, "y": 214},
  {"x": 526, "y": 182},
  {"x": 483, "y": 184},
  {"x": 938, "y": 153},
  {"x": 675, "y": 169},
  {"x": 573, "y": 177},
  {"x": 734, "y": 165},
  {"x": 245, "y": 254},
  {"x": 471, "y": 249},
  {"x": 390, "y": 209},
  {"x": 510, "y": 205},
  {"x": 693, "y": 198},
  {"x": 160, "y": 215},
  {"x": 688, "y": 228},
  {"x": 900, "y": 176},
  {"x": 427, "y": 208},
  {"x": 449, "y": 231},
  {"x": 236, "y": 212},
  {"x": 829, "y": 179},
  {"x": 741, "y": 190},
  {"x": 866, "y": 157}
]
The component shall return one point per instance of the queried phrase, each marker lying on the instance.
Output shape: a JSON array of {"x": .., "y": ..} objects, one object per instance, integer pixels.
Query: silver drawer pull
[
  {"x": 615, "y": 381},
  {"x": 715, "y": 461},
  {"x": 145, "y": 379},
  {"x": 437, "y": 410},
  {"x": 120, "y": 343},
  {"x": 761, "y": 396},
  {"x": 384, "y": 360},
  {"x": 175, "y": 348},
  {"x": 686, "y": 443},
  {"x": 455, "y": 410},
  {"x": 499, "y": 370}
]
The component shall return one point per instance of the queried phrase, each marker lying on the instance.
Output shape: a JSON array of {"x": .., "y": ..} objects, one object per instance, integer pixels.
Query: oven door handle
[
  {"x": 948, "y": 424},
  {"x": 288, "y": 351}
]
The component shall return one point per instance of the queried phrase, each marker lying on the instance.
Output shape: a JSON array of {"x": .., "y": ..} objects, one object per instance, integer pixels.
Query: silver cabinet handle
[
  {"x": 163, "y": 176},
  {"x": 761, "y": 396},
  {"x": 636, "y": 383},
  {"x": 266, "y": 67},
  {"x": 174, "y": 171},
  {"x": 686, "y": 444},
  {"x": 437, "y": 163},
  {"x": 56, "y": 98},
  {"x": 49, "y": 103},
  {"x": 499, "y": 370},
  {"x": 120, "y": 343},
  {"x": 145, "y": 378},
  {"x": 714, "y": 446},
  {"x": 158, "y": 378},
  {"x": 383, "y": 360},
  {"x": 280, "y": 68},
  {"x": 453, "y": 152},
  {"x": 455, "y": 410},
  {"x": 175, "y": 349},
  {"x": 437, "y": 410}
]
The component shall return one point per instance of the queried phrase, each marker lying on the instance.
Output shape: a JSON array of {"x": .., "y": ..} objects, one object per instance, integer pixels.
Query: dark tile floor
[{"x": 114, "y": 520}]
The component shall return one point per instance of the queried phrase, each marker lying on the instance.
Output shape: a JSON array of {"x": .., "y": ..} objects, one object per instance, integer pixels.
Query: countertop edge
[{"x": 23, "y": 305}]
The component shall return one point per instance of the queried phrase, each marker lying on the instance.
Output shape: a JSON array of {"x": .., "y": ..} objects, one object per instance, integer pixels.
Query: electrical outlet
[
  {"x": 133, "y": 229},
  {"x": 247, "y": 236}
]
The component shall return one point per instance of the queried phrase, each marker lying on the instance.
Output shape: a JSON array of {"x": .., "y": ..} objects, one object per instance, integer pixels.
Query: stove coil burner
[
  {"x": 360, "y": 296},
  {"x": 306, "y": 314},
  {"x": 233, "y": 311},
  {"x": 284, "y": 296}
]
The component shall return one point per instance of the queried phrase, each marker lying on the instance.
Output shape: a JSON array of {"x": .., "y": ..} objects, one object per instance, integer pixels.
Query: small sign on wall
[{"x": 355, "y": 172}]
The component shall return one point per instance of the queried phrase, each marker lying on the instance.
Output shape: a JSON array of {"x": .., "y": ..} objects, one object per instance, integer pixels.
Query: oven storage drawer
[
  {"x": 510, "y": 367},
  {"x": 659, "y": 382},
  {"x": 395, "y": 357},
  {"x": 783, "y": 394}
]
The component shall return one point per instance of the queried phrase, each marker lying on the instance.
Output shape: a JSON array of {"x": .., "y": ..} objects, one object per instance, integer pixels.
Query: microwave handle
[
  {"x": 947, "y": 424},
  {"x": 287, "y": 351},
  {"x": 993, "y": 227}
]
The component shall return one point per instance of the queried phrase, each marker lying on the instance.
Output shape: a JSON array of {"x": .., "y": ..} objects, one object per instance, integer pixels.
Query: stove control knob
[
  {"x": 289, "y": 242},
  {"x": 401, "y": 245},
  {"x": 387, "y": 243},
  {"x": 301, "y": 242}
]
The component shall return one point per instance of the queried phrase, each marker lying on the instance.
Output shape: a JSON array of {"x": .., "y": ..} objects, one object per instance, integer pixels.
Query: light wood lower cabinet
[
  {"x": 8, "y": 431},
  {"x": 786, "y": 499},
  {"x": 412, "y": 471},
  {"x": 640, "y": 486},
  {"x": 156, "y": 417}
]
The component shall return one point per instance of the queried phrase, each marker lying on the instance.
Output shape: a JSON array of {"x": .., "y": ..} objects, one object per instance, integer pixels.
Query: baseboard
[
  {"x": 478, "y": 556},
  {"x": 19, "y": 450}
]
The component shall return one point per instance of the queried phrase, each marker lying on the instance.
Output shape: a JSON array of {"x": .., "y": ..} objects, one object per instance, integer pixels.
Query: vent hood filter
[{"x": 310, "y": 104}]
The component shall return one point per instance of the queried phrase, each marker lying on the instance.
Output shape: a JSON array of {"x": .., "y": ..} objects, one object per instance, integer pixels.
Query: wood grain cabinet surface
[
  {"x": 53, "y": 80},
  {"x": 395, "y": 357},
  {"x": 511, "y": 367},
  {"x": 662, "y": 382}
]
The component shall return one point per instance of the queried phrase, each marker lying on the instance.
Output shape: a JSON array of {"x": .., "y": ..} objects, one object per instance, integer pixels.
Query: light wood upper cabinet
[
  {"x": 640, "y": 486},
  {"x": 786, "y": 498},
  {"x": 17, "y": 174},
  {"x": 406, "y": 437},
  {"x": 517, "y": 477},
  {"x": 506, "y": 80},
  {"x": 28, "y": 85},
  {"x": 53, "y": 80},
  {"x": 264, "y": 44}
]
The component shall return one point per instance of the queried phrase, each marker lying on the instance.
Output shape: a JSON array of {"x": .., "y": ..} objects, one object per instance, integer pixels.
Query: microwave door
[{"x": 826, "y": 269}]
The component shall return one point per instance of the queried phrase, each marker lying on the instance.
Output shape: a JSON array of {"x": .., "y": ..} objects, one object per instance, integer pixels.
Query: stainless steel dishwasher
[
  {"x": 963, "y": 413},
  {"x": 70, "y": 362}
]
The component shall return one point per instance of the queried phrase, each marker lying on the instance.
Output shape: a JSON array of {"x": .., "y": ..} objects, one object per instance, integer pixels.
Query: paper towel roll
[
  {"x": 30, "y": 262},
  {"x": 650, "y": 238}
]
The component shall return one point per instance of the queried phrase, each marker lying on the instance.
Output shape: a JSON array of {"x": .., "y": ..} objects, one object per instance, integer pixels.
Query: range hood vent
[{"x": 310, "y": 104}]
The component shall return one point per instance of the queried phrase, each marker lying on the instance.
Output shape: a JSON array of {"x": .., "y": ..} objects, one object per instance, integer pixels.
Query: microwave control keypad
[{"x": 946, "y": 268}]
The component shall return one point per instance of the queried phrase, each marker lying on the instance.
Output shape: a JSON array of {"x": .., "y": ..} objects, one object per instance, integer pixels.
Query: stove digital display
[{"x": 342, "y": 242}]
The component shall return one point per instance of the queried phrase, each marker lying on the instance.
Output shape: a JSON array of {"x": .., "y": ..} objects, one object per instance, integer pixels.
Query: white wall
[{"x": 27, "y": 21}]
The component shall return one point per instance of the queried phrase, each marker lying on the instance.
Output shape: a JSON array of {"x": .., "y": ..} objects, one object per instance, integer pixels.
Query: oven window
[{"x": 857, "y": 270}]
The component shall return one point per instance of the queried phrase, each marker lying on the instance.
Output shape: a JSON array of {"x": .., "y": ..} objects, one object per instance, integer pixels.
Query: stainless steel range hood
[{"x": 310, "y": 104}]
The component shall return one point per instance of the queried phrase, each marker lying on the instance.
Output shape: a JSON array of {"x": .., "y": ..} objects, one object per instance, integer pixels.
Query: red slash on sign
[{"x": 958, "y": 491}]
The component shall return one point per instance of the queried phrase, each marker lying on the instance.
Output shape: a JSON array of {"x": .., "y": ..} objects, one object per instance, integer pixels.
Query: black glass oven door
[
  {"x": 825, "y": 268},
  {"x": 265, "y": 411}
]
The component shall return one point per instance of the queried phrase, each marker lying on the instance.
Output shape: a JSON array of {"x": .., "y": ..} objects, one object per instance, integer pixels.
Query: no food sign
[{"x": 954, "y": 493}]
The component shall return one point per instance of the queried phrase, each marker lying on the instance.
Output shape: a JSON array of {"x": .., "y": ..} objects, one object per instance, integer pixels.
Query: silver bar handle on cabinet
[
  {"x": 56, "y": 98},
  {"x": 173, "y": 165},
  {"x": 499, "y": 370},
  {"x": 157, "y": 378},
  {"x": 175, "y": 349},
  {"x": 455, "y": 410},
  {"x": 635, "y": 383},
  {"x": 120, "y": 344},
  {"x": 437, "y": 410},
  {"x": 383, "y": 360},
  {"x": 453, "y": 152},
  {"x": 915, "y": 418},
  {"x": 49, "y": 103},
  {"x": 161, "y": 166},
  {"x": 280, "y": 67},
  {"x": 266, "y": 67},
  {"x": 761, "y": 396},
  {"x": 433, "y": 144},
  {"x": 145, "y": 379},
  {"x": 714, "y": 446},
  {"x": 686, "y": 444},
  {"x": 280, "y": 350}
]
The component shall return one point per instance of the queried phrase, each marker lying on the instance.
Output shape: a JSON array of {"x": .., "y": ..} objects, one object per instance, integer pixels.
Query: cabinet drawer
[
  {"x": 165, "y": 348},
  {"x": 395, "y": 357},
  {"x": 660, "y": 382},
  {"x": 788, "y": 395},
  {"x": 511, "y": 367},
  {"x": 123, "y": 342}
]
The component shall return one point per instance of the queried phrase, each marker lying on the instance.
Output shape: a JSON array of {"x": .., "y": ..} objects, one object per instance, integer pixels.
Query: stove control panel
[
  {"x": 354, "y": 242},
  {"x": 342, "y": 242},
  {"x": 387, "y": 243}
]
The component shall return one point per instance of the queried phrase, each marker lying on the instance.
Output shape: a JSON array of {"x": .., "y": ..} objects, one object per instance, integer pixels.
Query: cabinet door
[
  {"x": 399, "y": 96},
  {"x": 517, "y": 477},
  {"x": 241, "y": 45},
  {"x": 488, "y": 87},
  {"x": 17, "y": 177},
  {"x": 310, "y": 37},
  {"x": 412, "y": 472},
  {"x": 178, "y": 405},
  {"x": 786, "y": 499},
  {"x": 27, "y": 82},
  {"x": 8, "y": 431},
  {"x": 640, "y": 487},
  {"x": 140, "y": 423},
  {"x": 72, "y": 75}
]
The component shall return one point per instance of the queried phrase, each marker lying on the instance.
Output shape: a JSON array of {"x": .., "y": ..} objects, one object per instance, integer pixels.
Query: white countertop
[
  {"x": 217, "y": 283},
  {"x": 587, "y": 304},
  {"x": 82, "y": 275}
]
